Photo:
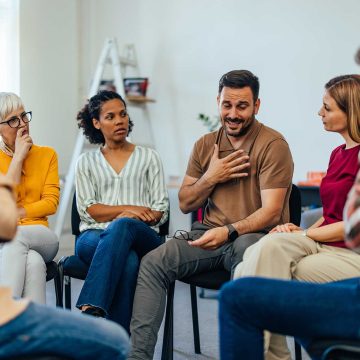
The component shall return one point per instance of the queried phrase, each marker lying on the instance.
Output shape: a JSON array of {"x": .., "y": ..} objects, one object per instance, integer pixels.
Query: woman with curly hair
[{"x": 122, "y": 200}]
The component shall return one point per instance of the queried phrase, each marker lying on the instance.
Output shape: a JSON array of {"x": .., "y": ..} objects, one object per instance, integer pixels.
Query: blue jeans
[
  {"x": 41, "y": 330},
  {"x": 304, "y": 310},
  {"x": 114, "y": 255}
]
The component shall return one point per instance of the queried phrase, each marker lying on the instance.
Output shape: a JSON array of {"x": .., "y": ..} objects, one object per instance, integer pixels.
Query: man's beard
[{"x": 244, "y": 129}]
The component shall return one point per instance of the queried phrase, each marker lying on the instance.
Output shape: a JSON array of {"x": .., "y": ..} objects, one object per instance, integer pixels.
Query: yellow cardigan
[{"x": 38, "y": 191}]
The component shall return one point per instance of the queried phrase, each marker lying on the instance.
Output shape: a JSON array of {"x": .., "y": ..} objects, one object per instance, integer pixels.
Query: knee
[
  {"x": 160, "y": 260},
  {"x": 132, "y": 263},
  {"x": 150, "y": 262},
  {"x": 123, "y": 228},
  {"x": 235, "y": 294},
  {"x": 35, "y": 264},
  {"x": 123, "y": 224},
  {"x": 309, "y": 269},
  {"x": 271, "y": 243}
]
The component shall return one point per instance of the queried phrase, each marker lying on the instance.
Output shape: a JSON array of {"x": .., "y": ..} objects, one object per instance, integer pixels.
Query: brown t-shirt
[{"x": 271, "y": 167}]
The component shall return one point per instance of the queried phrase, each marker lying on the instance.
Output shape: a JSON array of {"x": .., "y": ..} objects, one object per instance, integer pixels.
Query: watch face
[{"x": 233, "y": 234}]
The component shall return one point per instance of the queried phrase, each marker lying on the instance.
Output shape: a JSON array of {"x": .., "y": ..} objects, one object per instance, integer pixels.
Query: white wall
[
  {"x": 49, "y": 70},
  {"x": 185, "y": 46}
]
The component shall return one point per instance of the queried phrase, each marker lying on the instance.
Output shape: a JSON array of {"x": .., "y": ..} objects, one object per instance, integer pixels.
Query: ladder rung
[{"x": 124, "y": 61}]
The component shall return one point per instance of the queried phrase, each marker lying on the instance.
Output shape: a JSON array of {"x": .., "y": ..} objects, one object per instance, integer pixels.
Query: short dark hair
[
  {"x": 92, "y": 111},
  {"x": 238, "y": 79}
]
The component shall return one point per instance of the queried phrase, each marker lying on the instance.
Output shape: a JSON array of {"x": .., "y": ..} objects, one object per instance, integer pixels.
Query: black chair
[
  {"x": 73, "y": 267},
  {"x": 213, "y": 280},
  {"x": 36, "y": 357},
  {"x": 335, "y": 349},
  {"x": 52, "y": 273}
]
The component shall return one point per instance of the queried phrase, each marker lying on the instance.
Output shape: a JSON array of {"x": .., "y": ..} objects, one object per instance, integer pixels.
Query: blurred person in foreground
[{"x": 27, "y": 328}]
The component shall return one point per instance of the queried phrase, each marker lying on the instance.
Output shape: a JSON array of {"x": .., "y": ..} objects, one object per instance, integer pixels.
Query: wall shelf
[{"x": 139, "y": 99}]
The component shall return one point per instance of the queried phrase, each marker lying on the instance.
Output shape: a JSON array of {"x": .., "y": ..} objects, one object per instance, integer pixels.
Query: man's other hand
[{"x": 212, "y": 239}]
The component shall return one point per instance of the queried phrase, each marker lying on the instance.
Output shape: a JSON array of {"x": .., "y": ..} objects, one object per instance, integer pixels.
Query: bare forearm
[
  {"x": 8, "y": 216},
  {"x": 14, "y": 171},
  {"x": 158, "y": 215},
  {"x": 317, "y": 223},
  {"x": 193, "y": 196},
  {"x": 259, "y": 220},
  {"x": 327, "y": 233},
  {"x": 104, "y": 213}
]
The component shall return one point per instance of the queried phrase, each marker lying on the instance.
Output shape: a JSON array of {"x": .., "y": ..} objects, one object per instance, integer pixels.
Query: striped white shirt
[{"x": 141, "y": 182}]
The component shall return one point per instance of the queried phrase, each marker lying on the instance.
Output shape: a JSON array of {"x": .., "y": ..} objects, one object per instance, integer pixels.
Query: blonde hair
[
  {"x": 8, "y": 103},
  {"x": 345, "y": 90}
]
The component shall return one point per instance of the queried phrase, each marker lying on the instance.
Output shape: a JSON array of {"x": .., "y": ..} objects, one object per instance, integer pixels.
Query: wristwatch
[{"x": 233, "y": 234}]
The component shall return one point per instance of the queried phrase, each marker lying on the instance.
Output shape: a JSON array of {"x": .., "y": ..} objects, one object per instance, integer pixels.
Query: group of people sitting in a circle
[{"x": 242, "y": 172}]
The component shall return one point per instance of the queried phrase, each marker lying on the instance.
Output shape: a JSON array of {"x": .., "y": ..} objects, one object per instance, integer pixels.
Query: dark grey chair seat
[{"x": 335, "y": 349}]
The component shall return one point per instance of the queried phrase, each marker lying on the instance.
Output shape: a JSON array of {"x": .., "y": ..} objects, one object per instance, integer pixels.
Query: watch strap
[{"x": 233, "y": 234}]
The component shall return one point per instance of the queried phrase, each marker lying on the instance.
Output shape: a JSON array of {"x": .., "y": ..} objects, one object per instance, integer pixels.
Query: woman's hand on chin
[{"x": 23, "y": 143}]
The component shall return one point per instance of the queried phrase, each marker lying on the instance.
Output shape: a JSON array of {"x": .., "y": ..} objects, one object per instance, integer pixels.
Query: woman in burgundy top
[{"x": 317, "y": 254}]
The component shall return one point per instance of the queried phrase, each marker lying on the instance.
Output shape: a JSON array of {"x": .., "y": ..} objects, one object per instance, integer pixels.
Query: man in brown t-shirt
[{"x": 243, "y": 173}]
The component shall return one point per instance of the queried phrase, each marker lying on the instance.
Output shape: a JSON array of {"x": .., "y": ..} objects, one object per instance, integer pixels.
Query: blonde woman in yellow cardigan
[{"x": 34, "y": 170}]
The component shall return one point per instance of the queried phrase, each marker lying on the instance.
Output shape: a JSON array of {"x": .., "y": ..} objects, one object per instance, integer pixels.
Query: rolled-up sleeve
[{"x": 157, "y": 187}]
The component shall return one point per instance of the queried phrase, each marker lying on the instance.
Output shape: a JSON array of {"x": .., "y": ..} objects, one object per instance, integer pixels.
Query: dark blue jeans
[
  {"x": 249, "y": 306},
  {"x": 114, "y": 255},
  {"x": 41, "y": 330}
]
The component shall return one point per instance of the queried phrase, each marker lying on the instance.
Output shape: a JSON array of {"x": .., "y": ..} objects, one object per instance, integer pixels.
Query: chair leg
[
  {"x": 195, "y": 319},
  {"x": 168, "y": 343},
  {"x": 58, "y": 290},
  {"x": 297, "y": 347},
  {"x": 60, "y": 274},
  {"x": 67, "y": 280},
  {"x": 202, "y": 293}
]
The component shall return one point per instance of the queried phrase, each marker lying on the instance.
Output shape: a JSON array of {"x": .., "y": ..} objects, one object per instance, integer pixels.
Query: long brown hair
[{"x": 345, "y": 90}]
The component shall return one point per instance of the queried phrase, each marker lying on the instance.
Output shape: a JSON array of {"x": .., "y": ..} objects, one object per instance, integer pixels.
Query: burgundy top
[{"x": 340, "y": 177}]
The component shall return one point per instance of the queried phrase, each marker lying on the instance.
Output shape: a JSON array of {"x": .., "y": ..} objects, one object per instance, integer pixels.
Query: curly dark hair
[{"x": 92, "y": 111}]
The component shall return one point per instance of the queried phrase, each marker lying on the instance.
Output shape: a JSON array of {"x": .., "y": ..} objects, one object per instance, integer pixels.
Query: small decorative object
[
  {"x": 107, "y": 85},
  {"x": 211, "y": 123},
  {"x": 135, "y": 86},
  {"x": 313, "y": 178}
]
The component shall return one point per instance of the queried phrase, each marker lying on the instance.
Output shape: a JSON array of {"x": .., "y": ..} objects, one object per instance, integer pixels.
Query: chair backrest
[
  {"x": 75, "y": 217},
  {"x": 295, "y": 205},
  {"x": 164, "y": 228},
  {"x": 75, "y": 221}
]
